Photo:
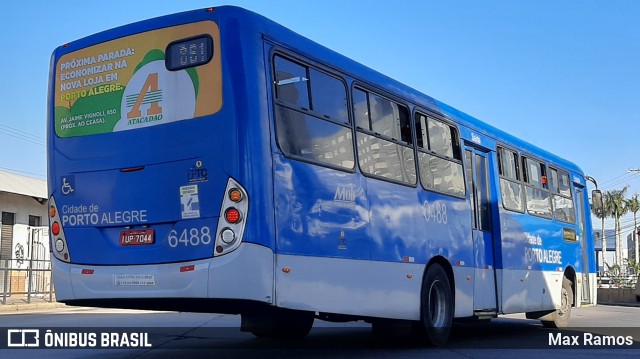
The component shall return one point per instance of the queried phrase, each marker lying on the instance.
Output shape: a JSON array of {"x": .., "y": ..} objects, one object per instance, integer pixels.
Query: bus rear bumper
[{"x": 246, "y": 274}]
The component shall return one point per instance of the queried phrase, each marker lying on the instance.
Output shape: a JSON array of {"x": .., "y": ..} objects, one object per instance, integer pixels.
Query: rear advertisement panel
[{"x": 142, "y": 80}]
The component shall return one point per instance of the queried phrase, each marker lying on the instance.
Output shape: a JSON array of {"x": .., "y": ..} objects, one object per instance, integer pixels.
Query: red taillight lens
[
  {"x": 55, "y": 228},
  {"x": 232, "y": 215}
]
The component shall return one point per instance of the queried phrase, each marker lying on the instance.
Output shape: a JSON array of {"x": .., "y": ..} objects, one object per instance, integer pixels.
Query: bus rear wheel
[
  {"x": 436, "y": 306},
  {"x": 278, "y": 323},
  {"x": 560, "y": 317}
]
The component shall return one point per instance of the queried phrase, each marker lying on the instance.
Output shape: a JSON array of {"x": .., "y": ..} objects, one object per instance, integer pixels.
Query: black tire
[
  {"x": 436, "y": 306},
  {"x": 278, "y": 323},
  {"x": 560, "y": 318}
]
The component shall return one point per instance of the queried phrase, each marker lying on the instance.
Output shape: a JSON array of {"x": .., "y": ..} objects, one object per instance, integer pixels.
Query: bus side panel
[
  {"x": 413, "y": 226},
  {"x": 324, "y": 247},
  {"x": 246, "y": 104},
  {"x": 319, "y": 211},
  {"x": 532, "y": 257},
  {"x": 346, "y": 286}
]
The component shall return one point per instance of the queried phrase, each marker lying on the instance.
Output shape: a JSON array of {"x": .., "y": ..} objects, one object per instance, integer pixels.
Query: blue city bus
[{"x": 215, "y": 161}]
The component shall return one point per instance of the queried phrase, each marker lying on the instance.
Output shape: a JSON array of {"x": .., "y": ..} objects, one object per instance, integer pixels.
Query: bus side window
[
  {"x": 312, "y": 121},
  {"x": 328, "y": 96},
  {"x": 291, "y": 83},
  {"x": 510, "y": 185},
  {"x": 361, "y": 109},
  {"x": 538, "y": 198},
  {"x": 383, "y": 137},
  {"x": 560, "y": 187},
  {"x": 439, "y": 156}
]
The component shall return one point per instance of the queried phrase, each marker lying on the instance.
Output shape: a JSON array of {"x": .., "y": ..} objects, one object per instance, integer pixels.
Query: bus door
[
  {"x": 479, "y": 184},
  {"x": 582, "y": 238}
]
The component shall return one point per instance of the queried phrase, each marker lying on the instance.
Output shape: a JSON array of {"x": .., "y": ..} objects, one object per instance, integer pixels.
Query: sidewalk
[{"x": 19, "y": 303}]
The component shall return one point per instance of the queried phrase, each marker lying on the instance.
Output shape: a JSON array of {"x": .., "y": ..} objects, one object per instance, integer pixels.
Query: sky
[{"x": 563, "y": 75}]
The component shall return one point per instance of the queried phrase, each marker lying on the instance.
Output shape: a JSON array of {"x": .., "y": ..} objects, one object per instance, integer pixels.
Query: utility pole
[
  {"x": 604, "y": 237},
  {"x": 635, "y": 229}
]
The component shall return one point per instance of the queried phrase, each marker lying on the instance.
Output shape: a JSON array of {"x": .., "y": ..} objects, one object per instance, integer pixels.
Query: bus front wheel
[
  {"x": 436, "y": 306},
  {"x": 560, "y": 317}
]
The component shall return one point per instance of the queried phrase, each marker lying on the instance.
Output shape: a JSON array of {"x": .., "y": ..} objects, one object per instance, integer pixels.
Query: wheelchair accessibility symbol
[{"x": 67, "y": 185}]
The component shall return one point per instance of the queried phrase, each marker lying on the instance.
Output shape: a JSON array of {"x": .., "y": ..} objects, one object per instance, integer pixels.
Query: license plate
[
  {"x": 136, "y": 237},
  {"x": 134, "y": 280}
]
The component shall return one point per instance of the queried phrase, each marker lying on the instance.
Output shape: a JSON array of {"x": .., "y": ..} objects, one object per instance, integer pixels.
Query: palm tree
[
  {"x": 617, "y": 206},
  {"x": 633, "y": 205}
]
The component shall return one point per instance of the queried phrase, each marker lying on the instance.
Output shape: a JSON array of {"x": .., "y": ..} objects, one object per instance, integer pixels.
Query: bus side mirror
[{"x": 596, "y": 202}]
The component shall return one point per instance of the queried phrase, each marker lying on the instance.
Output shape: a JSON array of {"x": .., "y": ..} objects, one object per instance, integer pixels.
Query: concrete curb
[
  {"x": 622, "y": 304},
  {"x": 19, "y": 307}
]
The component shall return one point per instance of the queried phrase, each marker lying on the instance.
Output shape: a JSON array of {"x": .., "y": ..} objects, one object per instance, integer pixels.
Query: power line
[
  {"x": 40, "y": 175},
  {"x": 613, "y": 179},
  {"x": 22, "y": 135},
  {"x": 621, "y": 180}
]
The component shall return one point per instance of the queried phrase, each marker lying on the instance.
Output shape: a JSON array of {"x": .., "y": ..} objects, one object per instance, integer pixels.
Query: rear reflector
[
  {"x": 132, "y": 169},
  {"x": 187, "y": 268}
]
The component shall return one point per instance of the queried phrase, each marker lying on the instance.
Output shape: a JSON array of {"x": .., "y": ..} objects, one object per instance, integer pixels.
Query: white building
[{"x": 24, "y": 235}]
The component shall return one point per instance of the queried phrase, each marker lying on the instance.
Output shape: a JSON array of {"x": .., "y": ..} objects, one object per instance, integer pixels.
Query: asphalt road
[{"x": 195, "y": 335}]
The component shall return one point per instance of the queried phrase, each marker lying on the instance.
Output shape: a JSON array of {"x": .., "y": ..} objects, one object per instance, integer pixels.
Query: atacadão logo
[{"x": 156, "y": 96}]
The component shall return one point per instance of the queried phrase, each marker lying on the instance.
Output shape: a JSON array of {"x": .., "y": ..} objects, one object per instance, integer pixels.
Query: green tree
[
  {"x": 617, "y": 207},
  {"x": 633, "y": 205}
]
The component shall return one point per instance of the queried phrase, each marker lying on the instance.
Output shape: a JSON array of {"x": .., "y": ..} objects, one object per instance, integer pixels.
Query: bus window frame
[
  {"x": 571, "y": 195},
  {"x": 329, "y": 71},
  {"x": 524, "y": 175},
  {"x": 362, "y": 86},
  {"x": 443, "y": 119},
  {"x": 519, "y": 180}
]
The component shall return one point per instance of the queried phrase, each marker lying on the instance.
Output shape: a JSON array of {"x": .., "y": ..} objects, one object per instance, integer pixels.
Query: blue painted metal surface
[{"x": 296, "y": 208}]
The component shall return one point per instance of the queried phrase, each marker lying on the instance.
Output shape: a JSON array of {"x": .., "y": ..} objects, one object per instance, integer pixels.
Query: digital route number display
[{"x": 189, "y": 53}]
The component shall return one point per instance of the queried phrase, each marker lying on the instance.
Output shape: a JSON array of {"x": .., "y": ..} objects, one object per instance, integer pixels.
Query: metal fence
[
  {"x": 34, "y": 281},
  {"x": 617, "y": 281}
]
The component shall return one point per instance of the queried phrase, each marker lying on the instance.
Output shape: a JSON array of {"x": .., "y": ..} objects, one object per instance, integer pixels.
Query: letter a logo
[{"x": 148, "y": 94}]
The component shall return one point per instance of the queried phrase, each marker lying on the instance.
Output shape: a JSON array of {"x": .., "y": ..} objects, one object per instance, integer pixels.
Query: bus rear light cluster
[
  {"x": 232, "y": 218},
  {"x": 59, "y": 246}
]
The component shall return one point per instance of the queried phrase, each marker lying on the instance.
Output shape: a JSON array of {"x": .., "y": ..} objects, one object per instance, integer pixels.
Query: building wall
[
  {"x": 631, "y": 247},
  {"x": 23, "y": 234}
]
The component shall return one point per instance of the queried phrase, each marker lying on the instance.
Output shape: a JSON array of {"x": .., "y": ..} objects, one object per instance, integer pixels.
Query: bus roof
[
  {"x": 297, "y": 43},
  {"x": 322, "y": 54}
]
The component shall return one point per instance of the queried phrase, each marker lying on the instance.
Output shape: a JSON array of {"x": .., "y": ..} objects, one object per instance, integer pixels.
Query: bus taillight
[
  {"x": 231, "y": 224},
  {"x": 228, "y": 236},
  {"x": 59, "y": 241},
  {"x": 235, "y": 195},
  {"x": 55, "y": 228},
  {"x": 232, "y": 215}
]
